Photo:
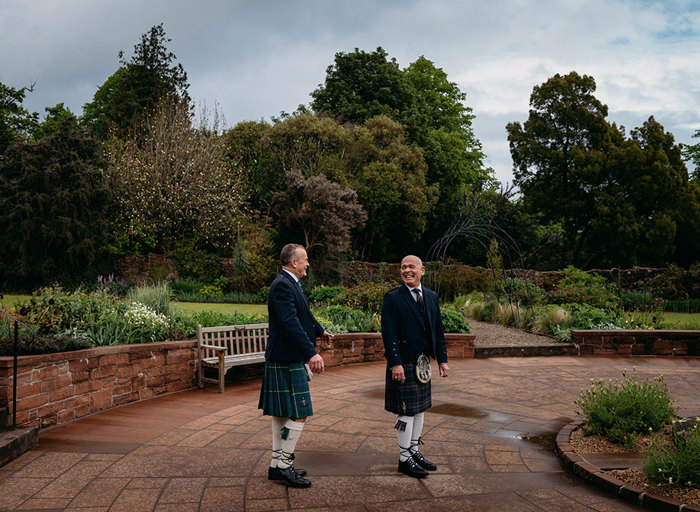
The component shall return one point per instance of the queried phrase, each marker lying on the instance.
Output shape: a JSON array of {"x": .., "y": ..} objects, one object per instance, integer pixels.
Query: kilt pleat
[
  {"x": 285, "y": 391},
  {"x": 411, "y": 397}
]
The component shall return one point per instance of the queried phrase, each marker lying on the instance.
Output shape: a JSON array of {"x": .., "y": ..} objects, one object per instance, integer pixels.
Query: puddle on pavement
[
  {"x": 375, "y": 393},
  {"x": 461, "y": 411},
  {"x": 464, "y": 411}
]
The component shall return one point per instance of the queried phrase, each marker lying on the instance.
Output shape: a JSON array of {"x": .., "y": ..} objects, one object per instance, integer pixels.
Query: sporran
[{"x": 423, "y": 369}]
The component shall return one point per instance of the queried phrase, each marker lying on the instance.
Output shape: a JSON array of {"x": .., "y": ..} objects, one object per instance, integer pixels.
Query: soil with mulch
[{"x": 636, "y": 476}]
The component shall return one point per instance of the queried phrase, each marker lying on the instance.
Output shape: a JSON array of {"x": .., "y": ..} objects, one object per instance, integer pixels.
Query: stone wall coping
[{"x": 7, "y": 361}]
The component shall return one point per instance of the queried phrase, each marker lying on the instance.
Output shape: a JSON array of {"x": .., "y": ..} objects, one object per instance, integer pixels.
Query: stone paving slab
[{"x": 491, "y": 431}]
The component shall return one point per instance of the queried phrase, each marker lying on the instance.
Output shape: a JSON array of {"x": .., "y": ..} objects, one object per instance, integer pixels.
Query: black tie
[{"x": 419, "y": 297}]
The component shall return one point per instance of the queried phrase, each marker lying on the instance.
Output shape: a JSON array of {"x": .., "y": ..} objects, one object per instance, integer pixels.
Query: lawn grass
[
  {"x": 682, "y": 320},
  {"x": 194, "y": 307},
  {"x": 12, "y": 300}
]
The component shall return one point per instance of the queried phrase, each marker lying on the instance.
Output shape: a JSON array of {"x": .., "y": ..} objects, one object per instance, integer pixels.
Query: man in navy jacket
[
  {"x": 411, "y": 327},
  {"x": 291, "y": 344}
]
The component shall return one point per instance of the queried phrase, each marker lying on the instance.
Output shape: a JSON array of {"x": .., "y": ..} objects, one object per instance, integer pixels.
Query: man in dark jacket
[
  {"x": 291, "y": 345},
  {"x": 411, "y": 330}
]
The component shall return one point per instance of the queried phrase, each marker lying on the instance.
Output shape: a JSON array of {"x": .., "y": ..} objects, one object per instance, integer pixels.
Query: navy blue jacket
[
  {"x": 404, "y": 330},
  {"x": 293, "y": 328}
]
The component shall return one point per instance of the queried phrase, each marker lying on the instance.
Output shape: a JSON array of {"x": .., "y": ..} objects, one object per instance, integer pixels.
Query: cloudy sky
[{"x": 256, "y": 58}]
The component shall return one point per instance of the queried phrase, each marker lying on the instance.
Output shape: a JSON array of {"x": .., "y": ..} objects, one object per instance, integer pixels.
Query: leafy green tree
[
  {"x": 691, "y": 153},
  {"x": 558, "y": 153},
  {"x": 54, "y": 119},
  {"x": 54, "y": 207},
  {"x": 246, "y": 144},
  {"x": 441, "y": 125},
  {"x": 137, "y": 86},
  {"x": 173, "y": 183},
  {"x": 389, "y": 177},
  {"x": 15, "y": 120},
  {"x": 361, "y": 85}
]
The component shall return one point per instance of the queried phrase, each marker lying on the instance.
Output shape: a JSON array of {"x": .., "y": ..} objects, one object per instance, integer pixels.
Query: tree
[
  {"x": 323, "y": 210},
  {"x": 691, "y": 153},
  {"x": 172, "y": 181},
  {"x": 15, "y": 120},
  {"x": 54, "y": 208},
  {"x": 558, "y": 153},
  {"x": 54, "y": 119},
  {"x": 390, "y": 179},
  {"x": 362, "y": 85},
  {"x": 137, "y": 86},
  {"x": 441, "y": 125}
]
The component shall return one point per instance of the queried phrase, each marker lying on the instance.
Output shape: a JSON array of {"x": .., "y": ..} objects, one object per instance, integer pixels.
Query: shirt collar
[
  {"x": 296, "y": 279},
  {"x": 419, "y": 287}
]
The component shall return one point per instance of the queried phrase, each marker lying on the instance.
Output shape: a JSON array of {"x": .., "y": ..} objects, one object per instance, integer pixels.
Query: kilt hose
[
  {"x": 409, "y": 398},
  {"x": 285, "y": 391}
]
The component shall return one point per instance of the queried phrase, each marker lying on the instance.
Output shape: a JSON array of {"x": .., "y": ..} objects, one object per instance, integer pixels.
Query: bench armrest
[{"x": 213, "y": 347}]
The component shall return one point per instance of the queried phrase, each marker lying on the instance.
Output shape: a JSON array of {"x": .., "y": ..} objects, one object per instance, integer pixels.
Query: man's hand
[
  {"x": 326, "y": 339},
  {"x": 316, "y": 364},
  {"x": 443, "y": 369},
  {"x": 397, "y": 374}
]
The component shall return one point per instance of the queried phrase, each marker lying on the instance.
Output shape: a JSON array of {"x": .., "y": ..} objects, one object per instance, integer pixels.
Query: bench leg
[
  {"x": 200, "y": 384},
  {"x": 222, "y": 373}
]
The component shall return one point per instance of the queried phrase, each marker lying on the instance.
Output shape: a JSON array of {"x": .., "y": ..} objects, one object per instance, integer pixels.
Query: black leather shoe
[
  {"x": 422, "y": 462},
  {"x": 411, "y": 468},
  {"x": 293, "y": 479},
  {"x": 274, "y": 474}
]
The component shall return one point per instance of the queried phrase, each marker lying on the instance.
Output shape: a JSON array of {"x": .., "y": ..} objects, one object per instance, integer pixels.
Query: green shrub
[
  {"x": 454, "y": 321},
  {"x": 348, "y": 319},
  {"x": 188, "y": 323},
  {"x": 52, "y": 310},
  {"x": 186, "y": 286},
  {"x": 154, "y": 296},
  {"x": 367, "y": 296},
  {"x": 621, "y": 410},
  {"x": 197, "y": 265},
  {"x": 327, "y": 295},
  {"x": 551, "y": 318},
  {"x": 580, "y": 287},
  {"x": 210, "y": 291},
  {"x": 41, "y": 344},
  {"x": 523, "y": 292},
  {"x": 679, "y": 465}
]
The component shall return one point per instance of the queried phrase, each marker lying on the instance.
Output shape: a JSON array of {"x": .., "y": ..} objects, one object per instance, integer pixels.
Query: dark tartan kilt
[
  {"x": 285, "y": 391},
  {"x": 409, "y": 398}
]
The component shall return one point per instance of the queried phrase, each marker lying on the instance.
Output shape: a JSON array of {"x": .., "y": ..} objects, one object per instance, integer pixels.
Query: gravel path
[{"x": 496, "y": 335}]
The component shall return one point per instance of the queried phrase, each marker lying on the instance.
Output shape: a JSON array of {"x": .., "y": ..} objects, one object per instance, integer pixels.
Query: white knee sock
[
  {"x": 277, "y": 424},
  {"x": 404, "y": 430},
  {"x": 417, "y": 429},
  {"x": 291, "y": 432}
]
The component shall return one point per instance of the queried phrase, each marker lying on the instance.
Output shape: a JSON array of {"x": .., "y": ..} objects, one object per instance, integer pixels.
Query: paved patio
[{"x": 491, "y": 431}]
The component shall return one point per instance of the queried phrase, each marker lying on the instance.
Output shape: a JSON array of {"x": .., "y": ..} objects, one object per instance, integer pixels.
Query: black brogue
[
  {"x": 423, "y": 462},
  {"x": 411, "y": 468}
]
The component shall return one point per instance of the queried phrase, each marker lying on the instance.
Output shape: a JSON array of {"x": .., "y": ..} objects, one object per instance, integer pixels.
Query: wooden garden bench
[{"x": 227, "y": 346}]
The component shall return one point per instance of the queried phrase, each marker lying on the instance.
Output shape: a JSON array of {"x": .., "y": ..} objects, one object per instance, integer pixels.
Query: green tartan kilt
[
  {"x": 285, "y": 391},
  {"x": 411, "y": 397}
]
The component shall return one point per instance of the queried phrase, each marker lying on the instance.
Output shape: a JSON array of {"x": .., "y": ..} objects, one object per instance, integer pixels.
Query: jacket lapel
[{"x": 297, "y": 289}]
